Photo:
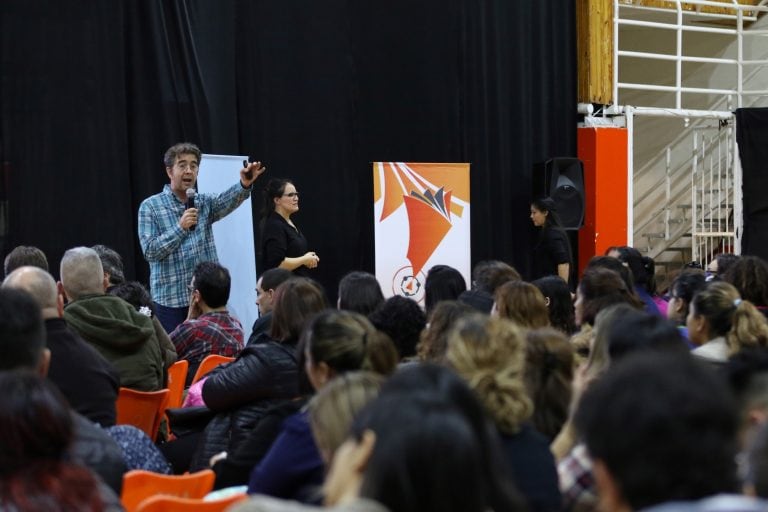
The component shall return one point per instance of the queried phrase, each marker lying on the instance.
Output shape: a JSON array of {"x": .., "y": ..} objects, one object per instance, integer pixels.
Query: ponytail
[{"x": 749, "y": 328}]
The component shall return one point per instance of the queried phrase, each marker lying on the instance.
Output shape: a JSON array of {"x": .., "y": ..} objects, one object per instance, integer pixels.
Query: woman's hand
[{"x": 310, "y": 260}]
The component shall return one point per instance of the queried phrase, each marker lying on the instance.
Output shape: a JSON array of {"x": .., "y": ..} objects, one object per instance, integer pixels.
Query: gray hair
[{"x": 81, "y": 272}]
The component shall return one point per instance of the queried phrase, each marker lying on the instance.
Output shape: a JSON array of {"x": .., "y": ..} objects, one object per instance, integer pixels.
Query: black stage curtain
[
  {"x": 92, "y": 93},
  {"x": 751, "y": 134}
]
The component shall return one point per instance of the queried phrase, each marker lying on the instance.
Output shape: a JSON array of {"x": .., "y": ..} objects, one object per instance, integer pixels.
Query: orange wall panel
[{"x": 604, "y": 153}]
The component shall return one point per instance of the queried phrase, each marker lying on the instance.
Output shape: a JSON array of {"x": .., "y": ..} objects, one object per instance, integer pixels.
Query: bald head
[
  {"x": 39, "y": 284},
  {"x": 81, "y": 273}
]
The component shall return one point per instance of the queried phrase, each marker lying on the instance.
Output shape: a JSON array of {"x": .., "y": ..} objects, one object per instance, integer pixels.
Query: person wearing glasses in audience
[{"x": 282, "y": 244}]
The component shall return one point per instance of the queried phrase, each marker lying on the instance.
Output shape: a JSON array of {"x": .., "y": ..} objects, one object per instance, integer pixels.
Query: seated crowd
[{"x": 503, "y": 396}]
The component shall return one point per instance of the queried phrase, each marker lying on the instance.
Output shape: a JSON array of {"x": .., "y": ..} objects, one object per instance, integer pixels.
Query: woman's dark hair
[
  {"x": 402, "y": 473},
  {"x": 135, "y": 294},
  {"x": 36, "y": 430},
  {"x": 560, "y": 309},
  {"x": 640, "y": 331},
  {"x": 294, "y": 303},
  {"x": 442, "y": 283},
  {"x": 547, "y": 204},
  {"x": 548, "y": 378},
  {"x": 347, "y": 341},
  {"x": 360, "y": 292},
  {"x": 600, "y": 288},
  {"x": 725, "y": 261},
  {"x": 616, "y": 265},
  {"x": 749, "y": 274},
  {"x": 643, "y": 268},
  {"x": 432, "y": 342},
  {"x": 275, "y": 188},
  {"x": 489, "y": 275},
  {"x": 686, "y": 285},
  {"x": 402, "y": 319}
]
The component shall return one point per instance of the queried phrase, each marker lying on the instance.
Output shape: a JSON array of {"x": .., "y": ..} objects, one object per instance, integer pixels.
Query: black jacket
[{"x": 241, "y": 392}]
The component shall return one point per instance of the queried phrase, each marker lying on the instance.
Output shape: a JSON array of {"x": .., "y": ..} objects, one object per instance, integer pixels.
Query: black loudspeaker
[{"x": 562, "y": 179}]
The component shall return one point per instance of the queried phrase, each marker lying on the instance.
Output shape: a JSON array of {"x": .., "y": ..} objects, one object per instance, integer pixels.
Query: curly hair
[
  {"x": 489, "y": 353},
  {"x": 432, "y": 342},
  {"x": 749, "y": 274},
  {"x": 402, "y": 319}
]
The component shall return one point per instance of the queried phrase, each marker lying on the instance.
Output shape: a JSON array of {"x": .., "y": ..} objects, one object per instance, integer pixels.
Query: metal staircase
[{"x": 687, "y": 197}]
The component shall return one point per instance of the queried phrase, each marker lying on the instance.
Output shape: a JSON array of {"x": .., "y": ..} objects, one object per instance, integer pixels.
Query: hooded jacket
[{"x": 125, "y": 337}]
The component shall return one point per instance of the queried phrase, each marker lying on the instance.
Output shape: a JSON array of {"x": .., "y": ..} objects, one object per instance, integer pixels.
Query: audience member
[
  {"x": 681, "y": 293},
  {"x": 433, "y": 339},
  {"x": 84, "y": 377},
  {"x": 125, "y": 337},
  {"x": 134, "y": 293},
  {"x": 521, "y": 303},
  {"x": 749, "y": 274},
  {"x": 548, "y": 378},
  {"x": 720, "y": 323},
  {"x": 442, "y": 283},
  {"x": 402, "y": 320},
  {"x": 37, "y": 432},
  {"x": 209, "y": 328},
  {"x": 22, "y": 348},
  {"x": 557, "y": 297},
  {"x": 262, "y": 375},
  {"x": 489, "y": 353},
  {"x": 265, "y": 290},
  {"x": 661, "y": 430},
  {"x": 638, "y": 330},
  {"x": 25, "y": 256},
  {"x": 719, "y": 266},
  {"x": 643, "y": 271},
  {"x": 486, "y": 277},
  {"x": 334, "y": 343},
  {"x": 359, "y": 292},
  {"x": 112, "y": 263}
]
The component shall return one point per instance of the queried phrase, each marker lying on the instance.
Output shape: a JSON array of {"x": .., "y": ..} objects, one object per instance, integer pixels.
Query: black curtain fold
[
  {"x": 92, "y": 94},
  {"x": 751, "y": 134}
]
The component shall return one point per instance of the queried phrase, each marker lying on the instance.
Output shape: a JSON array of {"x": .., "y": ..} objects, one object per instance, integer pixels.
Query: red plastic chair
[
  {"x": 139, "y": 485},
  {"x": 177, "y": 376},
  {"x": 208, "y": 364},
  {"x": 173, "y": 504},
  {"x": 142, "y": 409}
]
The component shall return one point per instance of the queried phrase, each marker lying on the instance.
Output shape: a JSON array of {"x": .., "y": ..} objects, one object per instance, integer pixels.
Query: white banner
[{"x": 421, "y": 217}]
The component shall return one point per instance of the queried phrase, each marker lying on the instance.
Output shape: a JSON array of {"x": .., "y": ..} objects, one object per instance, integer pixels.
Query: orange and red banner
[{"x": 421, "y": 217}]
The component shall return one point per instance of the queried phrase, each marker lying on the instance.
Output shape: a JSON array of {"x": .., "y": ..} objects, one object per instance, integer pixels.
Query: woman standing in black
[
  {"x": 552, "y": 253},
  {"x": 282, "y": 244}
]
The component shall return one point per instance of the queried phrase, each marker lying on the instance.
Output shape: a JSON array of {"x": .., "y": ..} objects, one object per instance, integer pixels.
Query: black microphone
[{"x": 191, "y": 193}]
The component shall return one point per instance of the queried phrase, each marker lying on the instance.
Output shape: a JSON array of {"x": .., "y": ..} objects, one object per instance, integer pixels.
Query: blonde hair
[
  {"x": 489, "y": 353},
  {"x": 522, "y": 303},
  {"x": 334, "y": 407},
  {"x": 730, "y": 316}
]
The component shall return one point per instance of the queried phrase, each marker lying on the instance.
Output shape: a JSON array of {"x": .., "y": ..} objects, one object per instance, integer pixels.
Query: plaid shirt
[
  {"x": 211, "y": 333},
  {"x": 576, "y": 481},
  {"x": 172, "y": 252}
]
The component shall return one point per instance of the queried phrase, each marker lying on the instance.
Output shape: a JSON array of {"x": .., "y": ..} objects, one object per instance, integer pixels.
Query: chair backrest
[
  {"x": 173, "y": 504},
  {"x": 208, "y": 364},
  {"x": 177, "y": 376},
  {"x": 138, "y": 485},
  {"x": 142, "y": 409}
]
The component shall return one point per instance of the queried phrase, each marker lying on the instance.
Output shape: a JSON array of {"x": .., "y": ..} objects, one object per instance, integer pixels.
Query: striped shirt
[{"x": 172, "y": 252}]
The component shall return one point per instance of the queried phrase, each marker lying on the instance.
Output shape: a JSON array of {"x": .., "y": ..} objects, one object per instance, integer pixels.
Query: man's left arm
[{"x": 224, "y": 203}]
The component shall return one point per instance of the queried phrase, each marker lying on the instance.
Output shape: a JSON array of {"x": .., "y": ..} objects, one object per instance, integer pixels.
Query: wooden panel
[{"x": 594, "y": 29}]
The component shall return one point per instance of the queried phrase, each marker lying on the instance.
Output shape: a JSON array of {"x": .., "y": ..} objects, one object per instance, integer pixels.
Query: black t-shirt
[
  {"x": 552, "y": 249},
  {"x": 280, "y": 240}
]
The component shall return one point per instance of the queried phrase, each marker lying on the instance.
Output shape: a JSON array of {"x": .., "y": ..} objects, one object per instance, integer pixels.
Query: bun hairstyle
[
  {"x": 275, "y": 188},
  {"x": 728, "y": 315},
  {"x": 347, "y": 341},
  {"x": 489, "y": 353}
]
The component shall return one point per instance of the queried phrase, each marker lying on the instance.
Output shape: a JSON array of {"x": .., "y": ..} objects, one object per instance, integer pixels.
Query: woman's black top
[
  {"x": 551, "y": 250},
  {"x": 280, "y": 240}
]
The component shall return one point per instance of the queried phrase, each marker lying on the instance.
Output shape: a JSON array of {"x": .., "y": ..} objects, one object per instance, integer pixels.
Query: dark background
[
  {"x": 92, "y": 93},
  {"x": 752, "y": 134}
]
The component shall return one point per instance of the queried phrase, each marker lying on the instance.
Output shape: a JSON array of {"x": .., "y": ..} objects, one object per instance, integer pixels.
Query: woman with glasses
[{"x": 282, "y": 244}]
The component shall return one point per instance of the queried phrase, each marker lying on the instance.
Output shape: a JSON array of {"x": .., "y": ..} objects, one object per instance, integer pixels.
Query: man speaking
[{"x": 175, "y": 230}]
